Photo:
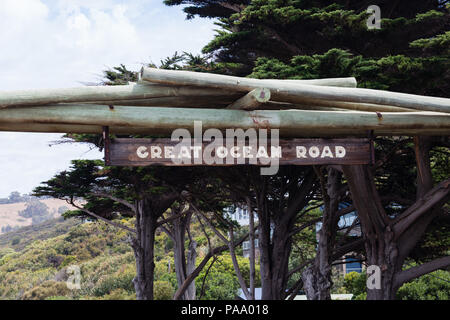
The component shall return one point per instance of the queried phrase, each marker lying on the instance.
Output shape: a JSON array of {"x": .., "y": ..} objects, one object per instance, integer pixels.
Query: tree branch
[
  {"x": 421, "y": 206},
  {"x": 121, "y": 201},
  {"x": 117, "y": 225},
  {"x": 415, "y": 272},
  {"x": 179, "y": 293}
]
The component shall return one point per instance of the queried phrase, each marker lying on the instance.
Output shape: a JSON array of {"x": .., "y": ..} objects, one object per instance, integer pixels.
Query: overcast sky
[{"x": 63, "y": 43}]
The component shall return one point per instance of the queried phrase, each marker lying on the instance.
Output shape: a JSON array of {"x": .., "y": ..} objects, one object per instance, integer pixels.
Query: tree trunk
[
  {"x": 143, "y": 247},
  {"x": 317, "y": 277},
  {"x": 381, "y": 249},
  {"x": 183, "y": 266},
  {"x": 190, "y": 267},
  {"x": 275, "y": 239},
  {"x": 251, "y": 231},
  {"x": 389, "y": 241}
]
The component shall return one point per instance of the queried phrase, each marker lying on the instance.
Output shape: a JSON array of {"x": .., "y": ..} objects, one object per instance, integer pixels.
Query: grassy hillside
[
  {"x": 36, "y": 266},
  {"x": 10, "y": 213},
  {"x": 20, "y": 238}
]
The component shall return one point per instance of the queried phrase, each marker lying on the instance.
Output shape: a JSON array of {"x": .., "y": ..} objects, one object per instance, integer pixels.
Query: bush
[
  {"x": 355, "y": 283},
  {"x": 68, "y": 260},
  {"x": 120, "y": 294},
  {"x": 47, "y": 289},
  {"x": 163, "y": 290},
  {"x": 433, "y": 286},
  {"x": 119, "y": 280}
]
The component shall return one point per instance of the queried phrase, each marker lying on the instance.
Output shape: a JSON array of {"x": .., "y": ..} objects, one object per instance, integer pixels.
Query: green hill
[{"x": 34, "y": 263}]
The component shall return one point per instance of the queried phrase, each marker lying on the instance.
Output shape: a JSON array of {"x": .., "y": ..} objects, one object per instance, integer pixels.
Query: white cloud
[{"x": 60, "y": 43}]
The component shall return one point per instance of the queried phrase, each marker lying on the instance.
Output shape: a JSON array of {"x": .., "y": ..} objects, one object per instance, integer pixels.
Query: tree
[
  {"x": 282, "y": 30},
  {"x": 15, "y": 197},
  {"x": 143, "y": 193},
  {"x": 35, "y": 210},
  {"x": 314, "y": 39},
  {"x": 176, "y": 226},
  {"x": 391, "y": 237}
]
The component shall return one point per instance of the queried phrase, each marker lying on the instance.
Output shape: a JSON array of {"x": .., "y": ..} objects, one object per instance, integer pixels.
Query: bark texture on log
[
  {"x": 252, "y": 100},
  {"x": 298, "y": 92},
  {"x": 201, "y": 79},
  {"x": 290, "y": 122}
]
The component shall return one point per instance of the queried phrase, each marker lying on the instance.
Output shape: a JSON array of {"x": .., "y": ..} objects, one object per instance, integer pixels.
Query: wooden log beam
[
  {"x": 290, "y": 122},
  {"x": 226, "y": 101},
  {"x": 103, "y": 93},
  {"x": 64, "y": 128},
  {"x": 252, "y": 100},
  {"x": 180, "y": 101},
  {"x": 298, "y": 92},
  {"x": 369, "y": 107},
  {"x": 187, "y": 78}
]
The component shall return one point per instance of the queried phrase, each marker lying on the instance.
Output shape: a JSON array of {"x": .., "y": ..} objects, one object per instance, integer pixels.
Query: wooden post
[{"x": 107, "y": 144}]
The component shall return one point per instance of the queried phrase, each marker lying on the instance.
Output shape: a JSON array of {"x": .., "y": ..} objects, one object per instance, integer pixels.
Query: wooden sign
[{"x": 164, "y": 152}]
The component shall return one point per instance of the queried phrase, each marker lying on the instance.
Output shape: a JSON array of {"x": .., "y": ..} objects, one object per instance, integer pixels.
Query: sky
[{"x": 68, "y": 43}]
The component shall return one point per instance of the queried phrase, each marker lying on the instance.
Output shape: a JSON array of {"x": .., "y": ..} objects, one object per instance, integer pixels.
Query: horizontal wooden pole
[
  {"x": 354, "y": 106},
  {"x": 297, "y": 92},
  {"x": 65, "y": 128},
  {"x": 133, "y": 91},
  {"x": 239, "y": 101},
  {"x": 107, "y": 94},
  {"x": 186, "y": 78},
  {"x": 290, "y": 122}
]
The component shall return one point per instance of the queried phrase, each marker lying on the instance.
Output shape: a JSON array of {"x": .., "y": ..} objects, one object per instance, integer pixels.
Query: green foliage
[
  {"x": 15, "y": 241},
  {"x": 119, "y": 76},
  {"x": 433, "y": 286},
  {"x": 47, "y": 289},
  {"x": 35, "y": 210},
  {"x": 163, "y": 290},
  {"x": 251, "y": 29},
  {"x": 122, "y": 279},
  {"x": 355, "y": 283},
  {"x": 221, "y": 282}
]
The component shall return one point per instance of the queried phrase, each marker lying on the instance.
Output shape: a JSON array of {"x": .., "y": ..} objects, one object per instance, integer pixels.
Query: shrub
[
  {"x": 355, "y": 283},
  {"x": 163, "y": 290},
  {"x": 68, "y": 260},
  {"x": 433, "y": 286},
  {"x": 119, "y": 280},
  {"x": 47, "y": 289}
]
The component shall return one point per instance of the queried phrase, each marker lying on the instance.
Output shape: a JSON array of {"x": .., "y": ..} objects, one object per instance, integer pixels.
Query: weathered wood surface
[
  {"x": 290, "y": 122},
  {"x": 185, "y": 78},
  {"x": 297, "y": 92},
  {"x": 103, "y": 93},
  {"x": 145, "y": 152},
  {"x": 252, "y": 100},
  {"x": 133, "y": 91},
  {"x": 97, "y": 129},
  {"x": 369, "y": 107}
]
